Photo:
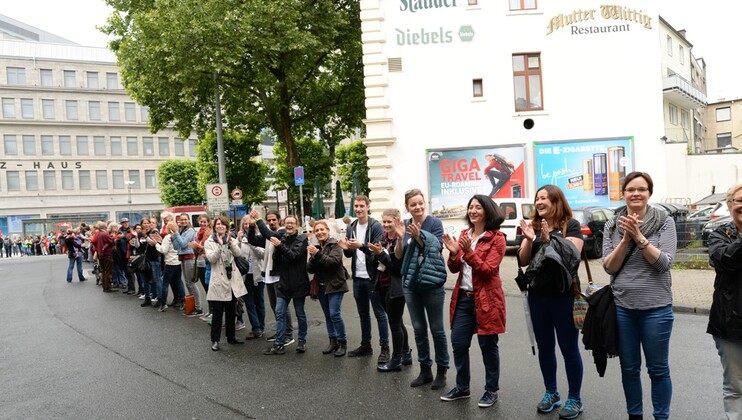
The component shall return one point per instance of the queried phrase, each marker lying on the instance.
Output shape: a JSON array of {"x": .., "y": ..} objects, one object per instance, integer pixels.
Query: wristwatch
[{"x": 643, "y": 242}]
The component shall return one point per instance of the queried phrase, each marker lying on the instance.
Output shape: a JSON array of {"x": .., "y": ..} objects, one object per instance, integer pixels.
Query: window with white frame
[
  {"x": 71, "y": 109},
  {"x": 117, "y": 177},
  {"x": 527, "y": 82},
  {"x": 46, "y": 77},
  {"x": 132, "y": 146},
  {"x": 68, "y": 183},
  {"x": 47, "y": 109},
  {"x": 685, "y": 119},
  {"x": 145, "y": 113},
  {"x": 669, "y": 45},
  {"x": 26, "y": 108},
  {"x": 112, "y": 81},
  {"x": 29, "y": 145},
  {"x": 192, "y": 148},
  {"x": 114, "y": 111},
  {"x": 32, "y": 180},
  {"x": 150, "y": 179},
  {"x": 82, "y": 146},
  {"x": 681, "y": 54},
  {"x": 723, "y": 139},
  {"x": 94, "y": 110},
  {"x": 92, "y": 79},
  {"x": 14, "y": 180},
  {"x": 723, "y": 114},
  {"x": 522, "y": 4},
  {"x": 673, "y": 114},
  {"x": 47, "y": 145},
  {"x": 130, "y": 111},
  {"x": 477, "y": 88},
  {"x": 70, "y": 79},
  {"x": 163, "y": 144},
  {"x": 10, "y": 144},
  {"x": 50, "y": 180},
  {"x": 101, "y": 179},
  {"x": 84, "y": 179},
  {"x": 8, "y": 107},
  {"x": 16, "y": 76},
  {"x": 65, "y": 145},
  {"x": 179, "y": 148},
  {"x": 99, "y": 145},
  {"x": 148, "y": 146},
  {"x": 116, "y": 148},
  {"x": 134, "y": 178}
]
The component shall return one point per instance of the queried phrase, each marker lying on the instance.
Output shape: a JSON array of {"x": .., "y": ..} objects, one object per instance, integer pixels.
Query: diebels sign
[{"x": 415, "y": 6}]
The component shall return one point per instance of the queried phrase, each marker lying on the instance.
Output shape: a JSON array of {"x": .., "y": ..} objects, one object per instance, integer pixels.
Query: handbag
[
  {"x": 521, "y": 280},
  {"x": 580, "y": 304},
  {"x": 242, "y": 264},
  {"x": 139, "y": 264},
  {"x": 314, "y": 288}
]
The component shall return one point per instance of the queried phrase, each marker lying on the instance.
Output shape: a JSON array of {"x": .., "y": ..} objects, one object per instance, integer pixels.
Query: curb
[{"x": 685, "y": 309}]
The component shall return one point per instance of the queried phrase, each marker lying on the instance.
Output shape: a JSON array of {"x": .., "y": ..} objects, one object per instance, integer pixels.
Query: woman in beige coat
[{"x": 225, "y": 285}]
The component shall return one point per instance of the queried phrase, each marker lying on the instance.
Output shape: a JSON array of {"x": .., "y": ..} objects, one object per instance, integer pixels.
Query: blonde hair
[
  {"x": 394, "y": 213},
  {"x": 731, "y": 192},
  {"x": 321, "y": 222}
]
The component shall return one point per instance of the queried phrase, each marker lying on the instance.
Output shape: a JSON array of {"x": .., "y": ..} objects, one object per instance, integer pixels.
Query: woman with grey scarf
[
  {"x": 638, "y": 249},
  {"x": 225, "y": 284}
]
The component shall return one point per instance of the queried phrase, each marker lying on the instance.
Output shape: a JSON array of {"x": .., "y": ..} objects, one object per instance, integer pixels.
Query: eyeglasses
[
  {"x": 632, "y": 190},
  {"x": 737, "y": 200}
]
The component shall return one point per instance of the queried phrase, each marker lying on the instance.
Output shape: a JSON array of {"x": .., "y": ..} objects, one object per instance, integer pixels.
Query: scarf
[
  {"x": 652, "y": 221},
  {"x": 226, "y": 253}
]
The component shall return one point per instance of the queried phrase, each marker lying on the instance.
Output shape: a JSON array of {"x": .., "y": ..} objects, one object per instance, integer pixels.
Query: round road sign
[
  {"x": 236, "y": 194},
  {"x": 216, "y": 191}
]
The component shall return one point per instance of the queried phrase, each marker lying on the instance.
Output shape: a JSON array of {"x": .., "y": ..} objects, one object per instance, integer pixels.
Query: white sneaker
[
  {"x": 239, "y": 326},
  {"x": 141, "y": 297},
  {"x": 206, "y": 317},
  {"x": 289, "y": 341}
]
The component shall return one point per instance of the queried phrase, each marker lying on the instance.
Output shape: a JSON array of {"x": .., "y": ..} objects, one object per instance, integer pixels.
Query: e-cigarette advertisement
[{"x": 590, "y": 172}]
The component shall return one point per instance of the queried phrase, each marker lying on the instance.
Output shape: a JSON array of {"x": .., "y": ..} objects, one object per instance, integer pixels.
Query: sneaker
[
  {"x": 548, "y": 403},
  {"x": 271, "y": 338},
  {"x": 274, "y": 349},
  {"x": 363, "y": 350},
  {"x": 289, "y": 341},
  {"x": 572, "y": 409},
  {"x": 154, "y": 299},
  {"x": 455, "y": 394},
  {"x": 162, "y": 308},
  {"x": 488, "y": 399},
  {"x": 253, "y": 335},
  {"x": 301, "y": 347},
  {"x": 384, "y": 355},
  {"x": 195, "y": 313},
  {"x": 146, "y": 303},
  {"x": 206, "y": 318},
  {"x": 141, "y": 297},
  {"x": 239, "y": 326}
]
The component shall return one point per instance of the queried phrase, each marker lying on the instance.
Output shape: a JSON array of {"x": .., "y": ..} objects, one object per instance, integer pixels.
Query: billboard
[
  {"x": 590, "y": 172},
  {"x": 456, "y": 175}
]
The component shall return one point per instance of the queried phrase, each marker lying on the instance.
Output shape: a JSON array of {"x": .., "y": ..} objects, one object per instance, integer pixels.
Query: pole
[
  {"x": 129, "y": 216},
  {"x": 301, "y": 205},
  {"x": 219, "y": 137}
]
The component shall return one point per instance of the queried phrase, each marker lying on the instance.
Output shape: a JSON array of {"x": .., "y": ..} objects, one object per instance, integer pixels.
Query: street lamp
[{"x": 128, "y": 186}]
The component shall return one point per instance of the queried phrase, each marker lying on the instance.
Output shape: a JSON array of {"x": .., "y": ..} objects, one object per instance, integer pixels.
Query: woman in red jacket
[{"x": 477, "y": 303}]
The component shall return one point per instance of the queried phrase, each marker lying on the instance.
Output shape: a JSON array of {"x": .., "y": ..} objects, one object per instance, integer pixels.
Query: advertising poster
[
  {"x": 589, "y": 172},
  {"x": 456, "y": 175}
]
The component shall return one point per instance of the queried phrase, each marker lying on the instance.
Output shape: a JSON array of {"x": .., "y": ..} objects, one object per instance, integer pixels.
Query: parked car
[
  {"x": 515, "y": 210},
  {"x": 592, "y": 221},
  {"x": 711, "y": 226},
  {"x": 698, "y": 219},
  {"x": 720, "y": 210}
]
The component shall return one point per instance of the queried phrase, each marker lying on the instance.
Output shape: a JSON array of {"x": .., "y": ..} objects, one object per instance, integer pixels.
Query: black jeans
[
  {"x": 394, "y": 312},
  {"x": 220, "y": 308}
]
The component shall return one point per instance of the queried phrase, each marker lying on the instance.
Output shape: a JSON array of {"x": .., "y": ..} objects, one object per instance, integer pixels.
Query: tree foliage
[
  {"x": 243, "y": 170},
  {"x": 316, "y": 162},
  {"x": 175, "y": 180},
  {"x": 352, "y": 159},
  {"x": 292, "y": 65}
]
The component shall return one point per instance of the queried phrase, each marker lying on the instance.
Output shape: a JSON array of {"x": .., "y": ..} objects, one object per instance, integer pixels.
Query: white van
[{"x": 515, "y": 210}]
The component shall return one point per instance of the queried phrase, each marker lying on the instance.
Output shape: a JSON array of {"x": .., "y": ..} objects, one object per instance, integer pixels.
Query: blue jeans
[
  {"x": 333, "y": 318},
  {"x": 419, "y": 304},
  {"x": 152, "y": 290},
  {"x": 255, "y": 304},
  {"x": 651, "y": 330},
  {"x": 119, "y": 276},
  {"x": 171, "y": 277},
  {"x": 282, "y": 305},
  {"x": 551, "y": 314},
  {"x": 363, "y": 292},
  {"x": 80, "y": 275},
  {"x": 464, "y": 326}
]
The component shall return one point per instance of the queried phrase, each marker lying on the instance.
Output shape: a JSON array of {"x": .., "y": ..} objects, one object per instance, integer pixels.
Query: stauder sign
[{"x": 414, "y": 6}]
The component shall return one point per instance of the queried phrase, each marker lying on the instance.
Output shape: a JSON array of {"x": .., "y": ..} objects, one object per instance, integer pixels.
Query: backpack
[{"x": 503, "y": 164}]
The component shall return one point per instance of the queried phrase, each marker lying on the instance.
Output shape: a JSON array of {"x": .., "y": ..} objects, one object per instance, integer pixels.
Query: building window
[
  {"x": 477, "y": 88},
  {"x": 150, "y": 180},
  {"x": 148, "y": 146},
  {"x": 669, "y": 45},
  {"x": 67, "y": 182},
  {"x": 522, "y": 4},
  {"x": 94, "y": 110},
  {"x": 71, "y": 109},
  {"x": 92, "y": 77},
  {"x": 145, "y": 113},
  {"x": 112, "y": 81},
  {"x": 134, "y": 178},
  {"x": 32, "y": 181},
  {"x": 8, "y": 108},
  {"x": 11, "y": 147},
  {"x": 192, "y": 148},
  {"x": 723, "y": 139},
  {"x": 14, "y": 180},
  {"x": 130, "y": 111},
  {"x": 101, "y": 180},
  {"x": 70, "y": 79},
  {"x": 132, "y": 148},
  {"x": 84, "y": 179},
  {"x": 50, "y": 180},
  {"x": 684, "y": 119},
  {"x": 118, "y": 179},
  {"x": 114, "y": 113},
  {"x": 527, "y": 81},
  {"x": 29, "y": 145},
  {"x": 47, "y": 145},
  {"x": 723, "y": 114},
  {"x": 473, "y": 2},
  {"x": 47, "y": 109},
  {"x": 82, "y": 146},
  {"x": 16, "y": 75},
  {"x": 163, "y": 143},
  {"x": 26, "y": 108},
  {"x": 681, "y": 54},
  {"x": 179, "y": 148},
  {"x": 65, "y": 145},
  {"x": 673, "y": 114},
  {"x": 46, "y": 77},
  {"x": 99, "y": 145},
  {"x": 116, "y": 149}
]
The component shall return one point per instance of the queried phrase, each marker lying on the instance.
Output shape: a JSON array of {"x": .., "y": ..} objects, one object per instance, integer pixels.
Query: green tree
[
  {"x": 352, "y": 159},
  {"x": 316, "y": 162},
  {"x": 175, "y": 180},
  {"x": 292, "y": 65},
  {"x": 244, "y": 171}
]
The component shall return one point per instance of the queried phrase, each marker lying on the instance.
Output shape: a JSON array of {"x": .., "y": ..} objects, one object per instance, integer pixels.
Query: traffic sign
[
  {"x": 299, "y": 176},
  {"x": 236, "y": 194},
  {"x": 216, "y": 197}
]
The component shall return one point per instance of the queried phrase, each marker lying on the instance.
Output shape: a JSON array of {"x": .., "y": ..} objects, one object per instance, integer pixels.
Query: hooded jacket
[
  {"x": 294, "y": 281},
  {"x": 725, "y": 255}
]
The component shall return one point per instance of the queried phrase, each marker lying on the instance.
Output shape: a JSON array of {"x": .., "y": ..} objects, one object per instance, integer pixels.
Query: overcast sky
[{"x": 711, "y": 28}]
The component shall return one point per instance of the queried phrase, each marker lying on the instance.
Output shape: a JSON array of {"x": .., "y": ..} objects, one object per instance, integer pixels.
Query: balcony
[{"x": 682, "y": 93}]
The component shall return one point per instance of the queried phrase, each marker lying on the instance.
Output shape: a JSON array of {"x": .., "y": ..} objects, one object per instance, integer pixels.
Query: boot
[
  {"x": 384, "y": 355},
  {"x": 364, "y": 349},
  {"x": 342, "y": 347},
  {"x": 635, "y": 417},
  {"x": 331, "y": 347},
  {"x": 440, "y": 378},
  {"x": 425, "y": 377},
  {"x": 393, "y": 365},
  {"x": 407, "y": 357}
]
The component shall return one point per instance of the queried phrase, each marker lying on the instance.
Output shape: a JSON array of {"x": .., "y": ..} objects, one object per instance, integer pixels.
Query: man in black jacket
[{"x": 360, "y": 233}]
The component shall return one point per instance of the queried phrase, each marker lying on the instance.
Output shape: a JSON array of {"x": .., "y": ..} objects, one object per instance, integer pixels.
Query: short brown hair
[
  {"x": 561, "y": 212},
  {"x": 633, "y": 175},
  {"x": 362, "y": 198},
  {"x": 223, "y": 219},
  {"x": 412, "y": 193}
]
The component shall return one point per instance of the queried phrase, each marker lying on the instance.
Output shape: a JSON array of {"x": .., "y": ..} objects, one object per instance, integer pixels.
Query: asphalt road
[{"x": 71, "y": 351}]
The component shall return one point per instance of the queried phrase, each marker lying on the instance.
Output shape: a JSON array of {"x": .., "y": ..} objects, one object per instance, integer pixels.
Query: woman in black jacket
[
  {"x": 725, "y": 323},
  {"x": 326, "y": 263},
  {"x": 389, "y": 285}
]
